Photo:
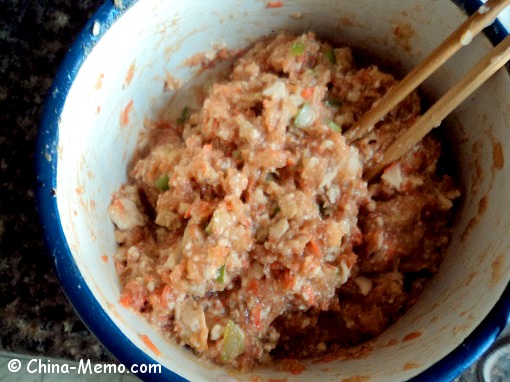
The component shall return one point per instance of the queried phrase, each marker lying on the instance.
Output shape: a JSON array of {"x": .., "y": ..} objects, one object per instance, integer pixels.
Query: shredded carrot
[
  {"x": 256, "y": 315},
  {"x": 166, "y": 295},
  {"x": 147, "y": 341},
  {"x": 288, "y": 280},
  {"x": 293, "y": 366},
  {"x": 124, "y": 115},
  {"x": 307, "y": 93},
  {"x": 290, "y": 162},
  {"x": 229, "y": 205},
  {"x": 314, "y": 248},
  {"x": 118, "y": 204},
  {"x": 126, "y": 299},
  {"x": 253, "y": 287},
  {"x": 274, "y": 4}
]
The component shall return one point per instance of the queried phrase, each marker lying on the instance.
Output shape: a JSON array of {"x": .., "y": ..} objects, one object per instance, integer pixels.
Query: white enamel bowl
[{"x": 84, "y": 148}]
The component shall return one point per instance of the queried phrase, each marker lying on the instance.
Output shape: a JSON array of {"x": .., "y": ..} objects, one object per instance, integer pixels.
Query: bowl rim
[{"x": 78, "y": 292}]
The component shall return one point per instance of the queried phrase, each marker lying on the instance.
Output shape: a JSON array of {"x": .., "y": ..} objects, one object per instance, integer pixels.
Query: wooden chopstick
[
  {"x": 462, "y": 36},
  {"x": 485, "y": 68}
]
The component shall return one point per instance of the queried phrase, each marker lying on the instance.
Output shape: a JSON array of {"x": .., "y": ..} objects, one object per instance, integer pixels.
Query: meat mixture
[{"x": 246, "y": 231}]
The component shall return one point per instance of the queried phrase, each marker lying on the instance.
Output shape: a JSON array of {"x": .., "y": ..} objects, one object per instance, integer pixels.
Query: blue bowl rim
[{"x": 78, "y": 292}]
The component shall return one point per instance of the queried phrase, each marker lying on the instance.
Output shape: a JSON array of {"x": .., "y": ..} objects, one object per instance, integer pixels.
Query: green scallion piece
[
  {"x": 330, "y": 56},
  {"x": 208, "y": 229},
  {"x": 185, "y": 114},
  {"x": 221, "y": 275},
  {"x": 237, "y": 154},
  {"x": 333, "y": 126},
  {"x": 162, "y": 183},
  {"x": 333, "y": 102},
  {"x": 298, "y": 48}
]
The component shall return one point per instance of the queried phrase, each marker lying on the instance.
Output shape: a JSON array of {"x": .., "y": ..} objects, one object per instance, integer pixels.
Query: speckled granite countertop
[{"x": 35, "y": 316}]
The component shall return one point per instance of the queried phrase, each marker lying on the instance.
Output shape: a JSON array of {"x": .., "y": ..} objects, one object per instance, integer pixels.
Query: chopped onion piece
[
  {"x": 364, "y": 284},
  {"x": 305, "y": 117},
  {"x": 233, "y": 342},
  {"x": 333, "y": 126}
]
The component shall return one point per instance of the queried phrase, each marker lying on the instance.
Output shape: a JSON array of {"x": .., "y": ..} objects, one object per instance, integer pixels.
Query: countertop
[{"x": 35, "y": 316}]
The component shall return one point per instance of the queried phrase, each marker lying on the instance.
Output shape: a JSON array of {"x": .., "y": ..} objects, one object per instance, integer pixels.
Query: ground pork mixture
[{"x": 246, "y": 230}]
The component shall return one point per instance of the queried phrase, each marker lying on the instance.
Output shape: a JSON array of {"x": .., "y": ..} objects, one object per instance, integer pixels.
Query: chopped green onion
[
  {"x": 233, "y": 342},
  {"x": 333, "y": 102},
  {"x": 330, "y": 56},
  {"x": 208, "y": 230},
  {"x": 333, "y": 126},
  {"x": 271, "y": 176},
  {"x": 162, "y": 183},
  {"x": 221, "y": 275},
  {"x": 185, "y": 114},
  {"x": 298, "y": 48},
  {"x": 236, "y": 154},
  {"x": 305, "y": 116}
]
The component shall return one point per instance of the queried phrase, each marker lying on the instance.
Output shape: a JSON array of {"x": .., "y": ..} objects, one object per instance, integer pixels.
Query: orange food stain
[
  {"x": 346, "y": 21},
  {"x": 274, "y": 4},
  {"x": 411, "y": 365},
  {"x": 129, "y": 75},
  {"x": 357, "y": 378},
  {"x": 497, "y": 270},
  {"x": 99, "y": 82},
  {"x": 390, "y": 343},
  {"x": 412, "y": 336},
  {"x": 276, "y": 380},
  {"x": 403, "y": 34},
  {"x": 79, "y": 190},
  {"x": 92, "y": 204},
  {"x": 498, "y": 159},
  {"x": 98, "y": 109},
  {"x": 470, "y": 278},
  {"x": 293, "y": 366},
  {"x": 124, "y": 115},
  {"x": 104, "y": 258},
  {"x": 482, "y": 206},
  {"x": 146, "y": 340}
]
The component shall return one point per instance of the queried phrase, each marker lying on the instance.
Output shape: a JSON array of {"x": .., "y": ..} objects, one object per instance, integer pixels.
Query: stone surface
[{"x": 35, "y": 316}]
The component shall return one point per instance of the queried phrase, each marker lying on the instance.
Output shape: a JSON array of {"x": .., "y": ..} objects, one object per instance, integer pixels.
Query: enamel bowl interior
[{"x": 123, "y": 74}]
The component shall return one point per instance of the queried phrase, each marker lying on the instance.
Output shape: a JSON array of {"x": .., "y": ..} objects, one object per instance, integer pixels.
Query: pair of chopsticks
[{"x": 484, "y": 69}]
